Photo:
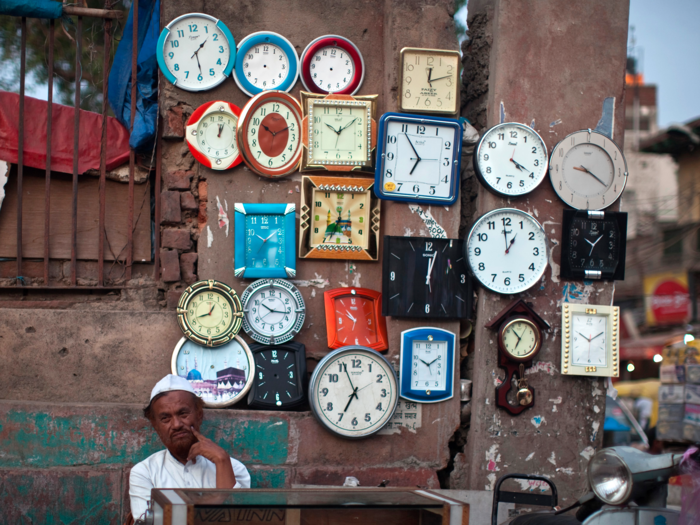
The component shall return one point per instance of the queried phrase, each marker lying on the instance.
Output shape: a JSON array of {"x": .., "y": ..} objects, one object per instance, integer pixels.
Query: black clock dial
[
  {"x": 280, "y": 375},
  {"x": 426, "y": 278},
  {"x": 593, "y": 246}
]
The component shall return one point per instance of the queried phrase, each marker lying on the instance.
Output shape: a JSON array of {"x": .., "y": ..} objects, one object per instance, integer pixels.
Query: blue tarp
[
  {"x": 143, "y": 137},
  {"x": 32, "y": 8}
]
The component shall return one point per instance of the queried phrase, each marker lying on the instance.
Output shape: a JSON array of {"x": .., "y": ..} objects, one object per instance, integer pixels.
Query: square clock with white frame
[
  {"x": 590, "y": 340},
  {"x": 418, "y": 159},
  {"x": 427, "y": 364},
  {"x": 265, "y": 240}
]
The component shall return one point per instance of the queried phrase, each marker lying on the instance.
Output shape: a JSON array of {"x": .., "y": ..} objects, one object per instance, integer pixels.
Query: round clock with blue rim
[
  {"x": 196, "y": 52},
  {"x": 265, "y": 240},
  {"x": 266, "y": 61},
  {"x": 427, "y": 364},
  {"x": 418, "y": 159}
]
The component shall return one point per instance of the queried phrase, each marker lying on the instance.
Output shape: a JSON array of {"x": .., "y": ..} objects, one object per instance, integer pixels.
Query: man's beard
[{"x": 180, "y": 445}]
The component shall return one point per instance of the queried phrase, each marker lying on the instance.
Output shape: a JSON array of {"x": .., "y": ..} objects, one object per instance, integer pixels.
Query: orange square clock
[{"x": 353, "y": 317}]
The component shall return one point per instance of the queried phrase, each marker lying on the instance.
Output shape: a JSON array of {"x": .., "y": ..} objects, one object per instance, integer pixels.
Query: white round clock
[
  {"x": 196, "y": 52},
  {"x": 353, "y": 392},
  {"x": 588, "y": 170},
  {"x": 511, "y": 159},
  {"x": 273, "y": 311},
  {"x": 266, "y": 61},
  {"x": 507, "y": 250}
]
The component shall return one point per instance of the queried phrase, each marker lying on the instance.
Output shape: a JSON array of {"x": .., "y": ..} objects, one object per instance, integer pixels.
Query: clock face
[
  {"x": 266, "y": 61},
  {"x": 211, "y": 135},
  {"x": 355, "y": 320},
  {"x": 195, "y": 52},
  {"x": 419, "y": 159},
  {"x": 332, "y": 64},
  {"x": 219, "y": 376},
  {"x": 278, "y": 381},
  {"x": 429, "y": 80},
  {"x": 425, "y": 277},
  {"x": 520, "y": 339},
  {"x": 590, "y": 340},
  {"x": 429, "y": 365},
  {"x": 594, "y": 245},
  {"x": 340, "y": 218},
  {"x": 353, "y": 391},
  {"x": 511, "y": 159},
  {"x": 588, "y": 171},
  {"x": 507, "y": 250},
  {"x": 265, "y": 241},
  {"x": 210, "y": 314},
  {"x": 269, "y": 135},
  {"x": 274, "y": 311},
  {"x": 340, "y": 132}
]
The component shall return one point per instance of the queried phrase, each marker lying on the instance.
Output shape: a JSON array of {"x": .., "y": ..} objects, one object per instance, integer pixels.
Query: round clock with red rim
[
  {"x": 211, "y": 135},
  {"x": 332, "y": 64}
]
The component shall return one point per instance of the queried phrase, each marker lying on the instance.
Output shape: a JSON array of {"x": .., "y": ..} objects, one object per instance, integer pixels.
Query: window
[{"x": 673, "y": 242}]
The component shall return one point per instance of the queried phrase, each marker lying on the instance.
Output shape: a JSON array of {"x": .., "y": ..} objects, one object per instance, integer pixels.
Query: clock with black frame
[
  {"x": 425, "y": 277},
  {"x": 280, "y": 376},
  {"x": 593, "y": 245}
]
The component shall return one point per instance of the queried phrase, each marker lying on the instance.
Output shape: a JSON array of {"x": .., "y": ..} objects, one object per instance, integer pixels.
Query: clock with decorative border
[
  {"x": 209, "y": 313},
  {"x": 594, "y": 245},
  {"x": 221, "y": 376},
  {"x": 274, "y": 311},
  {"x": 339, "y": 132},
  {"x": 332, "y": 64},
  {"x": 266, "y": 61},
  {"x": 339, "y": 219},
  {"x": 427, "y": 364},
  {"x": 353, "y": 316},
  {"x": 265, "y": 240},
  {"x": 280, "y": 378},
  {"x": 590, "y": 340},
  {"x": 211, "y": 135},
  {"x": 429, "y": 81}
]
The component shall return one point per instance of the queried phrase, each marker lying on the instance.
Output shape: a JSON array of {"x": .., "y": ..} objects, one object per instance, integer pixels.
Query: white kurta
[{"x": 162, "y": 470}]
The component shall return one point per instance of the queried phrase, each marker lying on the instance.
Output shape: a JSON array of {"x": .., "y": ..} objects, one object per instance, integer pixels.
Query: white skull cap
[{"x": 169, "y": 383}]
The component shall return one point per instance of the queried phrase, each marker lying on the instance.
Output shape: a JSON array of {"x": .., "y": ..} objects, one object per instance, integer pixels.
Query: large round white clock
[
  {"x": 511, "y": 159},
  {"x": 507, "y": 250},
  {"x": 353, "y": 391},
  {"x": 196, "y": 52},
  {"x": 273, "y": 311}
]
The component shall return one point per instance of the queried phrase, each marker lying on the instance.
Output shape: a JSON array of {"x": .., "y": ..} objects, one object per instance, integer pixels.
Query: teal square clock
[{"x": 265, "y": 237}]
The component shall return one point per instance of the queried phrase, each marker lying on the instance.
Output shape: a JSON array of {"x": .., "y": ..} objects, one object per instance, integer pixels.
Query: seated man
[{"x": 191, "y": 460}]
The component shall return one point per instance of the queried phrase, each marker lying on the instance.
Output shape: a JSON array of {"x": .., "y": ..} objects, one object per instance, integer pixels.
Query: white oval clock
[{"x": 507, "y": 250}]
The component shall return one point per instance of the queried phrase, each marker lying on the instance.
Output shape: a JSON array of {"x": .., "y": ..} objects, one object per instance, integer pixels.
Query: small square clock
[
  {"x": 354, "y": 317},
  {"x": 590, "y": 340},
  {"x": 339, "y": 132},
  {"x": 429, "y": 81},
  {"x": 265, "y": 240},
  {"x": 427, "y": 364},
  {"x": 339, "y": 219},
  {"x": 280, "y": 379}
]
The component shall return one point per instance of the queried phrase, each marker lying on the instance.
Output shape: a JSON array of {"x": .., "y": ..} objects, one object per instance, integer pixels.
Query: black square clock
[{"x": 280, "y": 379}]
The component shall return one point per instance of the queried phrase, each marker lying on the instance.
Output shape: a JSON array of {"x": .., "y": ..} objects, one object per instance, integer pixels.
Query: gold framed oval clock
[{"x": 210, "y": 313}]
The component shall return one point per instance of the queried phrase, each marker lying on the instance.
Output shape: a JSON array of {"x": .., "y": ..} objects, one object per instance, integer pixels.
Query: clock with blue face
[
  {"x": 427, "y": 364},
  {"x": 265, "y": 240}
]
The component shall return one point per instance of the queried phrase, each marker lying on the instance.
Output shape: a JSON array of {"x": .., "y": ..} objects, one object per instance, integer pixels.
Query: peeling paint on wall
[
  {"x": 492, "y": 458},
  {"x": 434, "y": 228},
  {"x": 317, "y": 282},
  {"x": 530, "y": 456},
  {"x": 542, "y": 366},
  {"x": 538, "y": 420},
  {"x": 596, "y": 426},
  {"x": 587, "y": 452},
  {"x": 492, "y": 482},
  {"x": 210, "y": 237},
  {"x": 568, "y": 471},
  {"x": 4, "y": 170},
  {"x": 223, "y": 216},
  {"x": 553, "y": 459},
  {"x": 554, "y": 266},
  {"x": 555, "y": 402}
]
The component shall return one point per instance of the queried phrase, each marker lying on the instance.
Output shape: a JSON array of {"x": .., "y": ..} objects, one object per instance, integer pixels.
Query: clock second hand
[{"x": 511, "y": 243}]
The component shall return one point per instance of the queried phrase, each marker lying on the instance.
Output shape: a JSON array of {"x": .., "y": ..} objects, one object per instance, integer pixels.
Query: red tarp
[{"x": 35, "y": 128}]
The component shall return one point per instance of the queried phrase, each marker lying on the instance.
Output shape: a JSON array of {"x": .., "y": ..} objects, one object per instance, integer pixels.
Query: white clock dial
[
  {"x": 274, "y": 311},
  {"x": 332, "y": 69},
  {"x": 339, "y": 133},
  {"x": 511, "y": 159},
  {"x": 216, "y": 135},
  {"x": 353, "y": 391},
  {"x": 590, "y": 340},
  {"x": 196, "y": 52},
  {"x": 429, "y": 365},
  {"x": 265, "y": 66},
  {"x": 520, "y": 338},
  {"x": 507, "y": 250}
]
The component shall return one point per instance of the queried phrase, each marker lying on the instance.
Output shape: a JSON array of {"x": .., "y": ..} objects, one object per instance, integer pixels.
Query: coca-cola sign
[{"x": 667, "y": 299}]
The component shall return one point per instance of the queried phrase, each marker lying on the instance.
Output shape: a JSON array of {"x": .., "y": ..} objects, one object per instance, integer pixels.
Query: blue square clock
[
  {"x": 265, "y": 238},
  {"x": 427, "y": 364}
]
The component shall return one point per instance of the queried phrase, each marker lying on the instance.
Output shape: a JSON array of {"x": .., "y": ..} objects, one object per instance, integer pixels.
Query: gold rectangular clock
[
  {"x": 590, "y": 340},
  {"x": 338, "y": 132},
  {"x": 339, "y": 219},
  {"x": 429, "y": 81}
]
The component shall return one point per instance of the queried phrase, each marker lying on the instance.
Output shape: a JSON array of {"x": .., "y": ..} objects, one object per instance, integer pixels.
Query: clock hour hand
[
  {"x": 221, "y": 128},
  {"x": 593, "y": 244},
  {"x": 354, "y": 394},
  {"x": 505, "y": 237},
  {"x": 519, "y": 338},
  {"x": 511, "y": 243},
  {"x": 268, "y": 129},
  {"x": 200, "y": 47},
  {"x": 430, "y": 74},
  {"x": 586, "y": 338},
  {"x": 334, "y": 130},
  {"x": 585, "y": 170}
]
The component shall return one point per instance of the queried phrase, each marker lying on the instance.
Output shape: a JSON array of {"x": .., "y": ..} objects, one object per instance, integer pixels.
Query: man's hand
[{"x": 205, "y": 447}]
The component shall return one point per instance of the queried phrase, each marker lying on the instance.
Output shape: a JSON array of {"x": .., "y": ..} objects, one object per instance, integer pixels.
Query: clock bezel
[
  {"x": 329, "y": 298},
  {"x": 299, "y": 351},
  {"x": 535, "y": 349},
  {"x": 427, "y": 51},
  {"x": 406, "y": 361},
  {"x": 327, "y": 41},
  {"x": 191, "y": 130},
  {"x": 266, "y": 37},
  {"x": 287, "y": 211},
  {"x": 299, "y": 310},
  {"x": 612, "y": 345},
  {"x": 164, "y": 37},
  {"x": 455, "y": 163},
  {"x": 344, "y": 251},
  {"x": 236, "y": 312},
  {"x": 249, "y": 379},
  {"x": 578, "y": 274}
]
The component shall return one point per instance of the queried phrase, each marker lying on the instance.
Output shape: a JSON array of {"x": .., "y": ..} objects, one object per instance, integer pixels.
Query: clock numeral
[
  {"x": 379, "y": 378},
  {"x": 392, "y": 276},
  {"x": 368, "y": 418},
  {"x": 521, "y": 278},
  {"x": 329, "y": 407},
  {"x": 383, "y": 394},
  {"x": 389, "y": 174},
  {"x": 531, "y": 236},
  {"x": 416, "y": 188},
  {"x": 324, "y": 391},
  {"x": 446, "y": 162},
  {"x": 357, "y": 363},
  {"x": 493, "y": 277},
  {"x": 506, "y": 281},
  {"x": 514, "y": 134},
  {"x": 462, "y": 278},
  {"x": 448, "y": 145},
  {"x": 482, "y": 266},
  {"x": 492, "y": 145},
  {"x": 432, "y": 190},
  {"x": 477, "y": 251},
  {"x": 427, "y": 308},
  {"x": 535, "y": 251},
  {"x": 482, "y": 237},
  {"x": 332, "y": 378},
  {"x": 379, "y": 407},
  {"x": 420, "y": 130},
  {"x": 174, "y": 43},
  {"x": 531, "y": 267},
  {"x": 391, "y": 139},
  {"x": 176, "y": 67},
  {"x": 354, "y": 422},
  {"x": 390, "y": 156}
]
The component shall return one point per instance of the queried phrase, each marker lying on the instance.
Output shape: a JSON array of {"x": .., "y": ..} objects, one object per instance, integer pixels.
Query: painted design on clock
[{"x": 342, "y": 210}]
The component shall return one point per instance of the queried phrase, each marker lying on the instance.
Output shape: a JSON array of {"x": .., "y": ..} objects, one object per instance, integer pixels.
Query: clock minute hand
[
  {"x": 348, "y": 125},
  {"x": 593, "y": 244},
  {"x": 439, "y": 78},
  {"x": 601, "y": 333},
  {"x": 585, "y": 170}
]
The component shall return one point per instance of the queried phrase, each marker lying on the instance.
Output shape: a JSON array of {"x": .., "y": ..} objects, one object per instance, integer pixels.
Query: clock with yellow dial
[
  {"x": 340, "y": 218},
  {"x": 429, "y": 81},
  {"x": 520, "y": 338},
  {"x": 210, "y": 313}
]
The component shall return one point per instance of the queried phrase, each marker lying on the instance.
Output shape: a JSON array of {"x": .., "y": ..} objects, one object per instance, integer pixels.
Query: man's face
[{"x": 173, "y": 415}]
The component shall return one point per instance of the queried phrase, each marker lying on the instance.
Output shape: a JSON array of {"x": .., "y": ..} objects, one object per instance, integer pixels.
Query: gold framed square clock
[
  {"x": 590, "y": 343},
  {"x": 340, "y": 219},
  {"x": 429, "y": 81},
  {"x": 339, "y": 132}
]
